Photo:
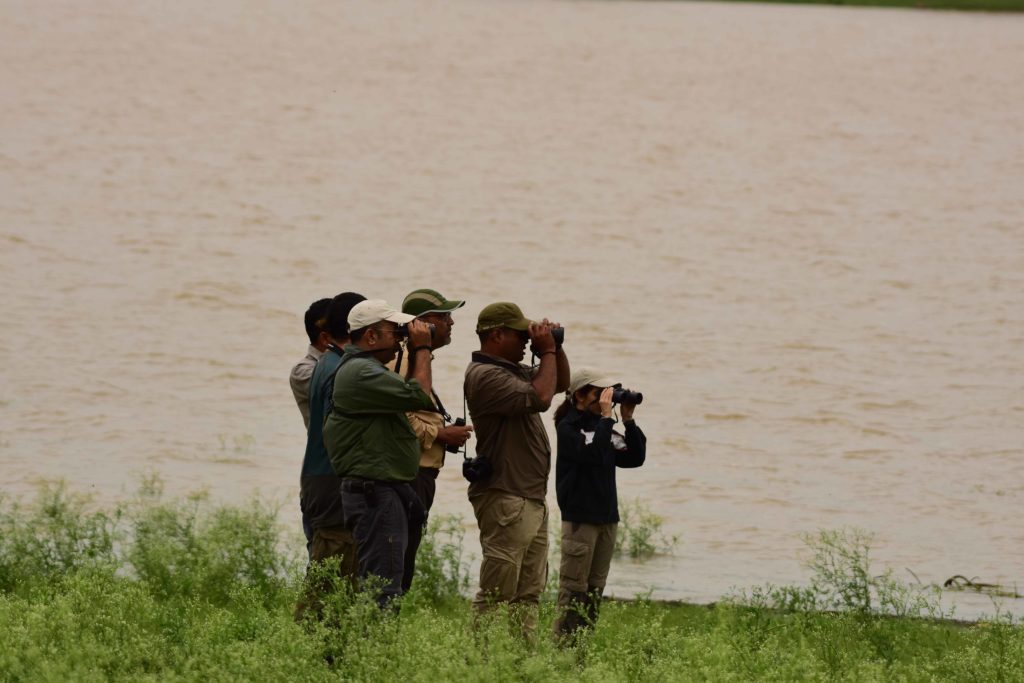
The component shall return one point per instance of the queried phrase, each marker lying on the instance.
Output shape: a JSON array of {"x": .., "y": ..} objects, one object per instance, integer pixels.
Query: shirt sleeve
[
  {"x": 424, "y": 428},
  {"x": 494, "y": 391},
  {"x": 636, "y": 447},
  {"x": 378, "y": 390}
]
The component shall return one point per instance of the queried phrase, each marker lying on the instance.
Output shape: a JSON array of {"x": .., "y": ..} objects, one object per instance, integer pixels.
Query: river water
[{"x": 799, "y": 230}]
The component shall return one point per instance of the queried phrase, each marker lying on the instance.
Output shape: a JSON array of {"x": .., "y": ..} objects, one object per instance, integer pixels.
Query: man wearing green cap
[
  {"x": 430, "y": 426},
  {"x": 505, "y": 400}
]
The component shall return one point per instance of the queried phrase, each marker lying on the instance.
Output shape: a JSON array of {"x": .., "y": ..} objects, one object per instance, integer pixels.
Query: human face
[
  {"x": 587, "y": 400},
  {"x": 513, "y": 343},
  {"x": 385, "y": 339},
  {"x": 443, "y": 325}
]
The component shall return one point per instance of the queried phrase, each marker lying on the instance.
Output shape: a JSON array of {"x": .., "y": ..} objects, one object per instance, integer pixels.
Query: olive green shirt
[
  {"x": 505, "y": 411},
  {"x": 367, "y": 433}
]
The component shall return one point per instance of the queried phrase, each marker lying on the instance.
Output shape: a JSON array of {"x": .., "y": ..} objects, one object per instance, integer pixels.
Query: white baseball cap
[
  {"x": 583, "y": 377},
  {"x": 372, "y": 311}
]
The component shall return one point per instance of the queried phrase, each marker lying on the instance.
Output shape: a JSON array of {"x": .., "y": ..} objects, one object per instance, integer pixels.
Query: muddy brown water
[{"x": 799, "y": 230}]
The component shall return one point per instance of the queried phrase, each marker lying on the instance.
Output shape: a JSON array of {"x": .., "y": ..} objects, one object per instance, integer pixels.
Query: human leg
[
  {"x": 425, "y": 487},
  {"x": 506, "y": 534},
  {"x": 326, "y": 543},
  {"x": 378, "y": 521},
  {"x": 578, "y": 544}
]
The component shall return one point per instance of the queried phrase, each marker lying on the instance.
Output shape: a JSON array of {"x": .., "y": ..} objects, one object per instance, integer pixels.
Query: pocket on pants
[
  {"x": 575, "y": 563},
  {"x": 510, "y": 510}
]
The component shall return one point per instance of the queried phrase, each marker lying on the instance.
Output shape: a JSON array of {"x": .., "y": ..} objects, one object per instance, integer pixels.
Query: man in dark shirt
[
  {"x": 505, "y": 399},
  {"x": 319, "y": 486}
]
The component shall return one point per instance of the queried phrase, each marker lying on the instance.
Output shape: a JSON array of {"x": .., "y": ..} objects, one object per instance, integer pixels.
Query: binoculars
[
  {"x": 402, "y": 332},
  {"x": 620, "y": 395},
  {"x": 452, "y": 448}
]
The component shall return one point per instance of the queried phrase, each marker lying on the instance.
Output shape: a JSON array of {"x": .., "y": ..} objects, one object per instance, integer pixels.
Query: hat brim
[
  {"x": 446, "y": 307},
  {"x": 399, "y": 318}
]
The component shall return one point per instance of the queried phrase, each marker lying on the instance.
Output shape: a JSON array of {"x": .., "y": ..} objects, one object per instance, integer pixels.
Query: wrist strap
[
  {"x": 544, "y": 353},
  {"x": 420, "y": 348}
]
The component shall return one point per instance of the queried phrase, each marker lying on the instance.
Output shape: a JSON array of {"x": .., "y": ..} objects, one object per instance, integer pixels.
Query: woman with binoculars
[{"x": 589, "y": 450}]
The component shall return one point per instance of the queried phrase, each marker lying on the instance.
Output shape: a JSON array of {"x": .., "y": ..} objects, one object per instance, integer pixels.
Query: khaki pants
[
  {"x": 514, "y": 539},
  {"x": 586, "y": 558},
  {"x": 328, "y": 542}
]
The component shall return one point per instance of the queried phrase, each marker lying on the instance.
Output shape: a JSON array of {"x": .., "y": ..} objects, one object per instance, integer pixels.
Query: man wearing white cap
[{"x": 370, "y": 443}]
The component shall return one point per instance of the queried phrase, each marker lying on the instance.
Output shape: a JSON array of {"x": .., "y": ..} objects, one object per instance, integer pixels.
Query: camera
[
  {"x": 477, "y": 469},
  {"x": 620, "y": 395},
  {"x": 452, "y": 448}
]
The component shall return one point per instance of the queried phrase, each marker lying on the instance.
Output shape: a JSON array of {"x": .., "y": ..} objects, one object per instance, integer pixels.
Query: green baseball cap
[
  {"x": 423, "y": 301},
  {"x": 502, "y": 314}
]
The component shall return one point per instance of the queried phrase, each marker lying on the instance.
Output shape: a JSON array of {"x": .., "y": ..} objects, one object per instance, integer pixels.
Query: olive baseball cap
[
  {"x": 502, "y": 314},
  {"x": 424, "y": 301},
  {"x": 583, "y": 377}
]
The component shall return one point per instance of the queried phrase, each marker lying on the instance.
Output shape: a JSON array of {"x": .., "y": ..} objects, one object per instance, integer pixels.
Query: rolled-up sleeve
[
  {"x": 425, "y": 426},
  {"x": 499, "y": 392}
]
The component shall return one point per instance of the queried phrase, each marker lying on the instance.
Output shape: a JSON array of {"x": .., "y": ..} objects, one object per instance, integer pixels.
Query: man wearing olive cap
[
  {"x": 370, "y": 443},
  {"x": 505, "y": 399},
  {"x": 429, "y": 425}
]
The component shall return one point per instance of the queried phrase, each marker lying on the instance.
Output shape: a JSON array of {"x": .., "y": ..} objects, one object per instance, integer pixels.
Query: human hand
[
  {"x": 626, "y": 410},
  {"x": 419, "y": 334},
  {"x": 540, "y": 335},
  {"x": 605, "y": 401},
  {"x": 454, "y": 435}
]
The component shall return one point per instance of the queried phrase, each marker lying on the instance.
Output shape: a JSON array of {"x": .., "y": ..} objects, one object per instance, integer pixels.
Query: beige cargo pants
[{"x": 514, "y": 568}]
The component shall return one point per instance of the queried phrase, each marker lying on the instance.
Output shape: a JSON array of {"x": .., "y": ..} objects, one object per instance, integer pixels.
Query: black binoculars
[
  {"x": 452, "y": 448},
  {"x": 620, "y": 395},
  {"x": 402, "y": 332}
]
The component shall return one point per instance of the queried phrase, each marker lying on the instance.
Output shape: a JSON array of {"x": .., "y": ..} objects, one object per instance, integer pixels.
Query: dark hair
[
  {"x": 355, "y": 335},
  {"x": 561, "y": 410},
  {"x": 314, "y": 314},
  {"x": 337, "y": 314}
]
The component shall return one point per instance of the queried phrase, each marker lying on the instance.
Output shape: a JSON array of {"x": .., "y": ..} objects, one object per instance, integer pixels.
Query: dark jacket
[
  {"x": 320, "y": 487},
  {"x": 585, "y": 472}
]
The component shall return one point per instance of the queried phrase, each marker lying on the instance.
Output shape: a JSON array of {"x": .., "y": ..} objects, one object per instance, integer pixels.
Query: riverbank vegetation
[{"x": 187, "y": 590}]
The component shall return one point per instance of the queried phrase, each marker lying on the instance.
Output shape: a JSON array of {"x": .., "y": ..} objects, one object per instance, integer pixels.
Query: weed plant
[
  {"x": 187, "y": 590},
  {"x": 640, "y": 533}
]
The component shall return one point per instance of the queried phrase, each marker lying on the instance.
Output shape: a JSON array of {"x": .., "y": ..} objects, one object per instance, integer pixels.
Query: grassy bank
[
  {"x": 185, "y": 590},
  {"x": 964, "y": 5}
]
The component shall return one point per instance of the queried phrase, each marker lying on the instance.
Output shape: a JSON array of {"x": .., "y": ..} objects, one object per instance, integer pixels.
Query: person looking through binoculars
[
  {"x": 432, "y": 428},
  {"x": 509, "y": 476},
  {"x": 589, "y": 450},
  {"x": 370, "y": 443}
]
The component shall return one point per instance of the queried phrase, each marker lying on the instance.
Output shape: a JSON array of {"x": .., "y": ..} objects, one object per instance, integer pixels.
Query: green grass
[{"x": 186, "y": 590}]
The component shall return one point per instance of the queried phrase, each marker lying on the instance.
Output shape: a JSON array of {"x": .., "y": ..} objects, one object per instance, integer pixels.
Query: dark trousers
[
  {"x": 425, "y": 485},
  {"x": 379, "y": 523}
]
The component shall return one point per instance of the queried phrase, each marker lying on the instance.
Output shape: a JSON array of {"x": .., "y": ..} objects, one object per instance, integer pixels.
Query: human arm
[
  {"x": 549, "y": 373},
  {"x": 371, "y": 388},
  {"x": 636, "y": 447},
  {"x": 419, "y": 354}
]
